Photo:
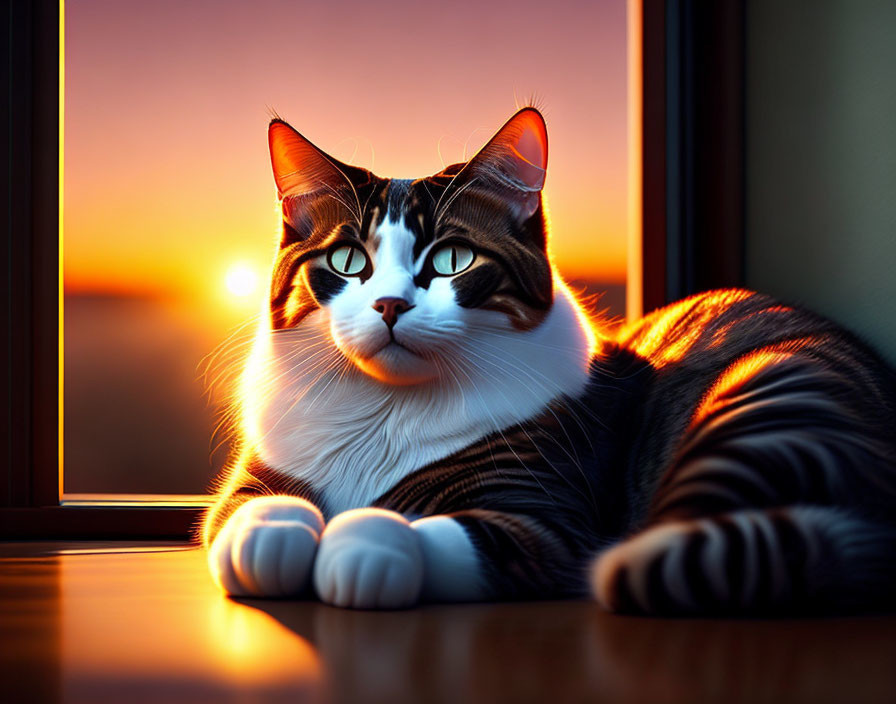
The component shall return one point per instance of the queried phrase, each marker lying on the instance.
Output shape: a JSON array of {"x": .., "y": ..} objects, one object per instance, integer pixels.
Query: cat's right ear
[
  {"x": 305, "y": 176},
  {"x": 300, "y": 168}
]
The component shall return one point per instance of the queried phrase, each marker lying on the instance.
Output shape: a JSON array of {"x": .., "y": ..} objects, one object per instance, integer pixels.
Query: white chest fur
[{"x": 312, "y": 415}]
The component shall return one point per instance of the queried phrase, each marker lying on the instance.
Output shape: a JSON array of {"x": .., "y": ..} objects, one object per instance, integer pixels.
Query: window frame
[
  {"x": 31, "y": 505},
  {"x": 686, "y": 68},
  {"x": 687, "y": 149}
]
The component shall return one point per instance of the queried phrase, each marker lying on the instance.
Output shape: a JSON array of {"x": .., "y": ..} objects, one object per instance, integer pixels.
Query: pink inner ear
[
  {"x": 528, "y": 170},
  {"x": 530, "y": 145},
  {"x": 530, "y": 148}
]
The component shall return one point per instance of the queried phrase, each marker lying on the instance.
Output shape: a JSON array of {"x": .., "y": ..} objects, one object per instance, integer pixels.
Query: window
[
  {"x": 31, "y": 491},
  {"x": 168, "y": 213}
]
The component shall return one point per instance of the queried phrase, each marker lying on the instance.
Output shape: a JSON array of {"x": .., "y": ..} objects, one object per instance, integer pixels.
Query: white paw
[
  {"x": 369, "y": 558},
  {"x": 267, "y": 547},
  {"x": 451, "y": 569}
]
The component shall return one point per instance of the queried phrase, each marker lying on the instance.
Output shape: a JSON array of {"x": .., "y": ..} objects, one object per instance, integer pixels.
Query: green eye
[
  {"x": 452, "y": 259},
  {"x": 348, "y": 260}
]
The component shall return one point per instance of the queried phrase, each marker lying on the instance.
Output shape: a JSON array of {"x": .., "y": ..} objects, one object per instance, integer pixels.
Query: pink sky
[{"x": 167, "y": 177}]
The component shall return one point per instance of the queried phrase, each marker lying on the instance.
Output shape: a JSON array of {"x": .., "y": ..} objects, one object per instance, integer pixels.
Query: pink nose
[{"x": 390, "y": 308}]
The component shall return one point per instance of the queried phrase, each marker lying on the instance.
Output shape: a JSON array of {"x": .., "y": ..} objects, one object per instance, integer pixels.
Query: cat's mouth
[
  {"x": 395, "y": 341},
  {"x": 397, "y": 363},
  {"x": 395, "y": 345}
]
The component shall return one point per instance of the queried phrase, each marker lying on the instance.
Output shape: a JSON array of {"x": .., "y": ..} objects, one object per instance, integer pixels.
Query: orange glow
[
  {"x": 749, "y": 365},
  {"x": 219, "y": 640},
  {"x": 719, "y": 335},
  {"x": 742, "y": 370},
  {"x": 657, "y": 343}
]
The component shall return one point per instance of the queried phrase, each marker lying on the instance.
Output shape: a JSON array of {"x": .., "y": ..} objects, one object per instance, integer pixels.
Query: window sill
[
  {"x": 136, "y": 500},
  {"x": 107, "y": 516}
]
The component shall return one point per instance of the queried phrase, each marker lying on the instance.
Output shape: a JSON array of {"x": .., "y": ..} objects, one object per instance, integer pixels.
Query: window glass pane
[{"x": 170, "y": 218}]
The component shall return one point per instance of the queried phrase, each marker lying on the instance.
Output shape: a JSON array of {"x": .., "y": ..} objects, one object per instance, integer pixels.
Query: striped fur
[
  {"x": 726, "y": 454},
  {"x": 791, "y": 559},
  {"x": 764, "y": 476}
]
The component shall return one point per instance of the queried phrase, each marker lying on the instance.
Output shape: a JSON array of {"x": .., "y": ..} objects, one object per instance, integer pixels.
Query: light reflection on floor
[{"x": 154, "y": 616}]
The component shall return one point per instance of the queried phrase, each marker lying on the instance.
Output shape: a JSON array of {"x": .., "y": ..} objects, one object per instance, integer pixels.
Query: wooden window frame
[
  {"x": 686, "y": 79},
  {"x": 687, "y": 149},
  {"x": 31, "y": 505}
]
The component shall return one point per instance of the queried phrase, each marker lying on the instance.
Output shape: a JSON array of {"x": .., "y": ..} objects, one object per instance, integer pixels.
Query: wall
[{"x": 821, "y": 159}]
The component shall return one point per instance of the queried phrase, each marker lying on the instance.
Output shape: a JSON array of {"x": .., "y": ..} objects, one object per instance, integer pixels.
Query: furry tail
[{"x": 796, "y": 558}]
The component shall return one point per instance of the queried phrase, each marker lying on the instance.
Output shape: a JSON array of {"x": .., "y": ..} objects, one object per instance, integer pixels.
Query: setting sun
[{"x": 241, "y": 280}]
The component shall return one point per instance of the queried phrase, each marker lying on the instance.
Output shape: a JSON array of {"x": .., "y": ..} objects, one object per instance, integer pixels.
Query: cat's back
[
  {"x": 734, "y": 337},
  {"x": 716, "y": 326}
]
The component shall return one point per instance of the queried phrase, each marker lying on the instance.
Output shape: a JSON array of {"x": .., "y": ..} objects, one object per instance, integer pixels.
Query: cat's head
[{"x": 405, "y": 272}]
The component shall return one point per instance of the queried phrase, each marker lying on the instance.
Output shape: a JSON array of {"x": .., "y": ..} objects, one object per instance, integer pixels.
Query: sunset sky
[{"x": 167, "y": 177}]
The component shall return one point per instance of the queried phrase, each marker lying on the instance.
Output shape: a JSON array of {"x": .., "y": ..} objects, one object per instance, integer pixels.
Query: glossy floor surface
[{"x": 116, "y": 623}]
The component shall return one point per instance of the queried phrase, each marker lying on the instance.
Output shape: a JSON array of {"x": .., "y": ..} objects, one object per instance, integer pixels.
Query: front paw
[
  {"x": 369, "y": 558},
  {"x": 267, "y": 547}
]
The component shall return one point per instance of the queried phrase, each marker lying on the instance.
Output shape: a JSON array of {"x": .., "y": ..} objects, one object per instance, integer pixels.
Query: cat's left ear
[{"x": 514, "y": 161}]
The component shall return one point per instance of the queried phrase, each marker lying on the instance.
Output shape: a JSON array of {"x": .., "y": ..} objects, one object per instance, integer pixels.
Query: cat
[{"x": 428, "y": 414}]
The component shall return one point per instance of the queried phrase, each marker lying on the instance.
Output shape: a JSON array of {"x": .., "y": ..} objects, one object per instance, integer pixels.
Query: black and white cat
[{"x": 427, "y": 413}]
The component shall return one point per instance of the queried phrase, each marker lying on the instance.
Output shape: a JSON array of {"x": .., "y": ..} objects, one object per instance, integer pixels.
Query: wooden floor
[{"x": 117, "y": 623}]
